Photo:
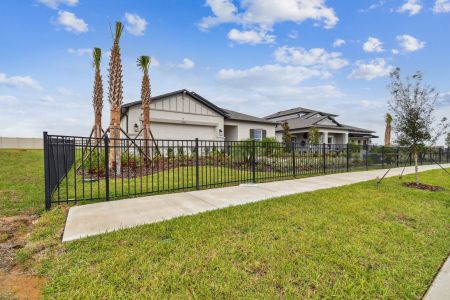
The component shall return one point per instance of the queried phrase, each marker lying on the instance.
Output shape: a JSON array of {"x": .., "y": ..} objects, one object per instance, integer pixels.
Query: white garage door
[{"x": 165, "y": 131}]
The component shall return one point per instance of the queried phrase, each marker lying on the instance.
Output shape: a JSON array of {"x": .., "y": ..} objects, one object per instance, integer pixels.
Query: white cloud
[
  {"x": 79, "y": 51},
  {"x": 412, "y": 7},
  {"x": 251, "y": 37},
  {"x": 55, "y": 3},
  {"x": 338, "y": 43},
  {"x": 268, "y": 75},
  {"x": 71, "y": 23},
  {"x": 186, "y": 64},
  {"x": 293, "y": 34},
  {"x": 371, "y": 104},
  {"x": 263, "y": 14},
  {"x": 395, "y": 51},
  {"x": 47, "y": 99},
  {"x": 269, "y": 12},
  {"x": 224, "y": 12},
  {"x": 154, "y": 62},
  {"x": 7, "y": 99},
  {"x": 375, "y": 68},
  {"x": 444, "y": 99},
  {"x": 65, "y": 91},
  {"x": 19, "y": 81},
  {"x": 271, "y": 98},
  {"x": 373, "y": 45},
  {"x": 441, "y": 6},
  {"x": 135, "y": 24},
  {"x": 373, "y": 6},
  {"x": 409, "y": 43},
  {"x": 316, "y": 57},
  {"x": 270, "y": 88}
]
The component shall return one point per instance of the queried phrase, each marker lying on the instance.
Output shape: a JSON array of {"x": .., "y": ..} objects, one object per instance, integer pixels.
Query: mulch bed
[{"x": 421, "y": 186}]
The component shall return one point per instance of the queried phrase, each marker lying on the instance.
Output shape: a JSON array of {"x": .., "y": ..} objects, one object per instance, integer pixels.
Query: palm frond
[
  {"x": 143, "y": 62},
  {"x": 388, "y": 118},
  {"x": 119, "y": 29},
  {"x": 96, "y": 58}
]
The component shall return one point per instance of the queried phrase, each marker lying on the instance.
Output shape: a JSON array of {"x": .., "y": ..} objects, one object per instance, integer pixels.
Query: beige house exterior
[
  {"x": 185, "y": 115},
  {"x": 301, "y": 120}
]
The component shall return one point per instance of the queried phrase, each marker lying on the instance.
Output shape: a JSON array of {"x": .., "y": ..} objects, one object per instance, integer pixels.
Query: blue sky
[{"x": 254, "y": 56}]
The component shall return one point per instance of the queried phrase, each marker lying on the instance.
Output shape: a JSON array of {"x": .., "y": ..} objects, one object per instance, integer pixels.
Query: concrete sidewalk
[
  {"x": 97, "y": 218},
  {"x": 440, "y": 288}
]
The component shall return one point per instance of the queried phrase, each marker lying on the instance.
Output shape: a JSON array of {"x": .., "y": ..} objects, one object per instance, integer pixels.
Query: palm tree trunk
[
  {"x": 115, "y": 100},
  {"x": 387, "y": 137},
  {"x": 146, "y": 111},
  {"x": 98, "y": 126},
  {"x": 114, "y": 151}
]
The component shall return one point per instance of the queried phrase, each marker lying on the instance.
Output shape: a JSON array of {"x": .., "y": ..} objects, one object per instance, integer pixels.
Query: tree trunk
[
  {"x": 98, "y": 126},
  {"x": 114, "y": 133},
  {"x": 416, "y": 167},
  {"x": 146, "y": 112},
  {"x": 387, "y": 137}
]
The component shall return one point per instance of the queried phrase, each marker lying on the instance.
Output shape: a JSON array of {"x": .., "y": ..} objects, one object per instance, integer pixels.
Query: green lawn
[
  {"x": 359, "y": 241},
  {"x": 21, "y": 182}
]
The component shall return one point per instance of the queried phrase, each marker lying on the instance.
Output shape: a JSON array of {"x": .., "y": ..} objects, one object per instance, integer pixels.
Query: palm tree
[
  {"x": 387, "y": 134},
  {"x": 143, "y": 63},
  {"x": 97, "y": 100},
  {"x": 115, "y": 98}
]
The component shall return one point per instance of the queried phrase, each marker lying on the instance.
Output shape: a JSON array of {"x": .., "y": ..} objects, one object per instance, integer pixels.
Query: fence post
[
  {"x": 197, "y": 180},
  {"x": 293, "y": 159},
  {"x": 324, "y": 159},
  {"x": 254, "y": 160},
  {"x": 48, "y": 200},
  {"x": 106, "y": 141},
  {"x": 348, "y": 157}
]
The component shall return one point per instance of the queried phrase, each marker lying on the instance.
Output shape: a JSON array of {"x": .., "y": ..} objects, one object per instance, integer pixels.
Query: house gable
[
  {"x": 327, "y": 122},
  {"x": 182, "y": 103}
]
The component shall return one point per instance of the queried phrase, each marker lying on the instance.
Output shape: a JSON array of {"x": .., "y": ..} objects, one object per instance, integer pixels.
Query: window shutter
[
  {"x": 252, "y": 134},
  {"x": 264, "y": 134}
]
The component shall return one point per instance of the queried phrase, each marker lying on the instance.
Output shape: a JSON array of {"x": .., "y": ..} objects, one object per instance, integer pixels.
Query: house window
[
  {"x": 257, "y": 134},
  {"x": 330, "y": 140}
]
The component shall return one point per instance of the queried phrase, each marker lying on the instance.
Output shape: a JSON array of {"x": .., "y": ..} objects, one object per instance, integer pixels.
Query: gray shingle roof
[
  {"x": 294, "y": 111},
  {"x": 308, "y": 121},
  {"x": 234, "y": 115},
  {"x": 192, "y": 94},
  {"x": 226, "y": 113}
]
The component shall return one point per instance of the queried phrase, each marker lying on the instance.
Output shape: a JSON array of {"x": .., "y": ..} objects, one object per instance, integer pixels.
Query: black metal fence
[{"x": 81, "y": 169}]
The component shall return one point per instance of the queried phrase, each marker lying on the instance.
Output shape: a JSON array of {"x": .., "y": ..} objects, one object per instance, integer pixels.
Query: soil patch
[
  {"x": 20, "y": 285},
  {"x": 421, "y": 186},
  {"x": 14, "y": 282}
]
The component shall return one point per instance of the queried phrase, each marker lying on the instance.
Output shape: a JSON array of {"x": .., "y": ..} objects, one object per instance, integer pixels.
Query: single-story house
[
  {"x": 301, "y": 120},
  {"x": 185, "y": 115}
]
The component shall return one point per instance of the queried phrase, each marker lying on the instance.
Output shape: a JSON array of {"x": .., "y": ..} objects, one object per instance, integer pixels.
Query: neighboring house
[
  {"x": 185, "y": 115},
  {"x": 300, "y": 121}
]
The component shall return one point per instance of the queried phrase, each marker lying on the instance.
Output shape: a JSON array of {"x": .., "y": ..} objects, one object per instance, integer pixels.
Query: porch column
[
  {"x": 325, "y": 137},
  {"x": 345, "y": 140}
]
